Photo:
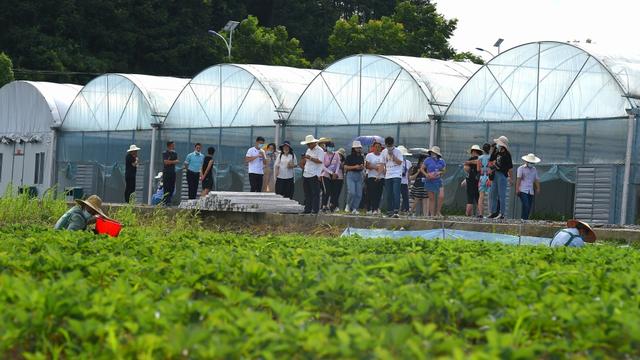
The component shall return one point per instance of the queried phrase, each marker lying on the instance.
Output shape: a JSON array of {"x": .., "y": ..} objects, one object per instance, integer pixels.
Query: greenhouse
[
  {"x": 227, "y": 106},
  {"x": 28, "y": 113},
  {"x": 112, "y": 112},
  {"x": 377, "y": 95},
  {"x": 569, "y": 105}
]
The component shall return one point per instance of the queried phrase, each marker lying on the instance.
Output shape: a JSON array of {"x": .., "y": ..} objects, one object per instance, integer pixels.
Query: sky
[{"x": 609, "y": 23}]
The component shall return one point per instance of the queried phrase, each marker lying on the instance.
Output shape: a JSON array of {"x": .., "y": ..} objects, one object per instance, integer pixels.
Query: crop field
[{"x": 166, "y": 288}]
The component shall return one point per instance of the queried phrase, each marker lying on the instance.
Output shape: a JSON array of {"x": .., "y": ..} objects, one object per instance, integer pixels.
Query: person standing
[
  {"x": 170, "y": 159},
  {"x": 483, "y": 167},
  {"x": 374, "y": 163},
  {"x": 268, "y": 184},
  {"x": 256, "y": 160},
  {"x": 503, "y": 174},
  {"x": 354, "y": 166},
  {"x": 339, "y": 181},
  {"x": 393, "y": 163},
  {"x": 418, "y": 192},
  {"x": 312, "y": 164},
  {"x": 331, "y": 168},
  {"x": 283, "y": 168},
  {"x": 404, "y": 184},
  {"x": 193, "y": 163},
  {"x": 207, "y": 172},
  {"x": 528, "y": 178},
  {"x": 471, "y": 179},
  {"x": 130, "y": 170},
  {"x": 434, "y": 166}
]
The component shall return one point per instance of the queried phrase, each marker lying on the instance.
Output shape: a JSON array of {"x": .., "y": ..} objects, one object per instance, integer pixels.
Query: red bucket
[{"x": 108, "y": 226}]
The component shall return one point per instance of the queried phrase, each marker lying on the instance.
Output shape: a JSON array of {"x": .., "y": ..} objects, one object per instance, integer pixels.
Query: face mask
[
  {"x": 528, "y": 165},
  {"x": 498, "y": 147},
  {"x": 434, "y": 156},
  {"x": 330, "y": 149}
]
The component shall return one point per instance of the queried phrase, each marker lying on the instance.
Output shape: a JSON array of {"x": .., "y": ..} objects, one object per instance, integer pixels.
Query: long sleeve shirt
[{"x": 74, "y": 219}]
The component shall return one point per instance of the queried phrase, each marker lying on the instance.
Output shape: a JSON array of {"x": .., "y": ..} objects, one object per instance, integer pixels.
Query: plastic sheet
[{"x": 447, "y": 234}]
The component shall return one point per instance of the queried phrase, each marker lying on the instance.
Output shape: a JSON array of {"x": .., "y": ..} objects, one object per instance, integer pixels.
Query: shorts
[
  {"x": 484, "y": 185},
  {"x": 433, "y": 186},
  {"x": 417, "y": 191},
  {"x": 473, "y": 193}
]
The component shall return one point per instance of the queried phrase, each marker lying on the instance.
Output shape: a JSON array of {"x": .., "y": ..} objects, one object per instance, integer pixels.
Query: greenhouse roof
[
  {"x": 234, "y": 95},
  {"x": 371, "y": 89},
  {"x": 549, "y": 81},
  {"x": 28, "y": 107},
  {"x": 122, "y": 102}
]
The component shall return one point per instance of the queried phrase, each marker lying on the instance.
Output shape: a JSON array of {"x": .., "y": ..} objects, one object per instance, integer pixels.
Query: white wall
[{"x": 20, "y": 169}]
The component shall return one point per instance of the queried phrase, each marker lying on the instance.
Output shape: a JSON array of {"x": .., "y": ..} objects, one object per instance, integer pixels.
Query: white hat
[
  {"x": 502, "y": 141},
  {"x": 404, "y": 151},
  {"x": 435, "y": 150},
  {"x": 531, "y": 158},
  {"x": 356, "y": 144},
  {"x": 133, "y": 148},
  {"x": 159, "y": 176},
  {"x": 309, "y": 139},
  {"x": 476, "y": 148}
]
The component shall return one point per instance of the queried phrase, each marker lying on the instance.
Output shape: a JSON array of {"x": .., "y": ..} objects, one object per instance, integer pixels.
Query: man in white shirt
[
  {"x": 575, "y": 235},
  {"x": 256, "y": 160},
  {"x": 312, "y": 164},
  {"x": 374, "y": 164},
  {"x": 393, "y": 161}
]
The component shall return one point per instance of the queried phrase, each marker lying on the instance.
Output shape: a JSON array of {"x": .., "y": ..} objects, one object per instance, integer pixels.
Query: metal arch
[
  {"x": 385, "y": 95},
  {"x": 241, "y": 103},
  {"x": 334, "y": 98},
  {"x": 569, "y": 88},
  {"x": 505, "y": 93},
  {"x": 204, "y": 111},
  {"x": 125, "y": 108}
]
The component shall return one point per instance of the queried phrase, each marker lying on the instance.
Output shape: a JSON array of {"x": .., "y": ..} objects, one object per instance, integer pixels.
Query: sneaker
[
  {"x": 494, "y": 215},
  {"x": 355, "y": 212},
  {"x": 499, "y": 217},
  {"x": 396, "y": 216},
  {"x": 369, "y": 212}
]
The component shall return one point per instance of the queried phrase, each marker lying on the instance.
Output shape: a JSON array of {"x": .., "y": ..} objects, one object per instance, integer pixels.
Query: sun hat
[
  {"x": 356, "y": 144},
  {"x": 324, "y": 140},
  {"x": 159, "y": 176},
  {"x": 476, "y": 148},
  {"x": 404, "y": 151},
  {"x": 286, "y": 142},
  {"x": 591, "y": 235},
  {"x": 133, "y": 148},
  {"x": 435, "y": 150},
  {"x": 502, "y": 141},
  {"x": 309, "y": 139},
  {"x": 531, "y": 158},
  {"x": 94, "y": 202},
  {"x": 342, "y": 152}
]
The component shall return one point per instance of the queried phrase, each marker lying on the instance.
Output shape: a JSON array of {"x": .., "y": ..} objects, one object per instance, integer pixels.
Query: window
[{"x": 39, "y": 175}]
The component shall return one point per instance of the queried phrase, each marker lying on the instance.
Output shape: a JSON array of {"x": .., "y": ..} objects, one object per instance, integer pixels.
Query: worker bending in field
[
  {"x": 81, "y": 215},
  {"x": 575, "y": 235}
]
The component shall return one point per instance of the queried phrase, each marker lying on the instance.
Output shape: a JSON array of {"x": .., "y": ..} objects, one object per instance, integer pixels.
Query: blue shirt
[
  {"x": 194, "y": 161},
  {"x": 567, "y": 237},
  {"x": 434, "y": 165}
]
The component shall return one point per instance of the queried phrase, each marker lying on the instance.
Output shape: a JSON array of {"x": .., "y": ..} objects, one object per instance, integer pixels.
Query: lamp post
[
  {"x": 230, "y": 27},
  {"x": 487, "y": 51},
  {"x": 498, "y": 43}
]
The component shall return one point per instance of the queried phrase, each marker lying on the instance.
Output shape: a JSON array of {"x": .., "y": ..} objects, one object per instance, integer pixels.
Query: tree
[
  {"x": 462, "y": 56},
  {"x": 261, "y": 45},
  {"x": 382, "y": 36},
  {"x": 428, "y": 32},
  {"x": 6, "y": 69}
]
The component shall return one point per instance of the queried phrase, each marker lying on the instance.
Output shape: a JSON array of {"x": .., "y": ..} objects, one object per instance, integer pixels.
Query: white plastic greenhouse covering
[
  {"x": 233, "y": 95},
  {"x": 378, "y": 89},
  {"x": 28, "y": 107},
  {"x": 116, "y": 102}
]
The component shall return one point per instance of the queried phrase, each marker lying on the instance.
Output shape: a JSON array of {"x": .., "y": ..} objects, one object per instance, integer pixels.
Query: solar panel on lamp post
[{"x": 229, "y": 27}]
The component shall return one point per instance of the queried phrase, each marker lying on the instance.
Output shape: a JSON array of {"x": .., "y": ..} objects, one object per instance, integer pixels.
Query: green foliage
[
  {"x": 6, "y": 69},
  {"x": 21, "y": 209},
  {"x": 382, "y": 36},
  {"x": 255, "y": 44},
  {"x": 466, "y": 55},
  {"x": 169, "y": 289}
]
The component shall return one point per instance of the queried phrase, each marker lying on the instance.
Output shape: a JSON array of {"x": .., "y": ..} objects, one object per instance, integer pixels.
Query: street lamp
[
  {"x": 498, "y": 43},
  {"x": 487, "y": 51},
  {"x": 230, "y": 27}
]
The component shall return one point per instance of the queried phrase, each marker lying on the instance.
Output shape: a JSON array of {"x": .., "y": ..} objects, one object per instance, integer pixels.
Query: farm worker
[
  {"x": 159, "y": 194},
  {"x": 575, "y": 235},
  {"x": 81, "y": 215},
  {"x": 130, "y": 169}
]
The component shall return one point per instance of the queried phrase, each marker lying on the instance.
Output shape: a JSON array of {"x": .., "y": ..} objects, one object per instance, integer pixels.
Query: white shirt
[
  {"x": 312, "y": 169},
  {"x": 373, "y": 160},
  {"x": 393, "y": 170},
  {"x": 406, "y": 166},
  {"x": 282, "y": 164},
  {"x": 256, "y": 166},
  {"x": 564, "y": 235}
]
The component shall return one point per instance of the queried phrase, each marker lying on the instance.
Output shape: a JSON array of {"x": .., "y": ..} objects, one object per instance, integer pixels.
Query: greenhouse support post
[
  {"x": 432, "y": 130},
  {"x": 627, "y": 169},
  {"x": 154, "y": 136},
  {"x": 52, "y": 157}
]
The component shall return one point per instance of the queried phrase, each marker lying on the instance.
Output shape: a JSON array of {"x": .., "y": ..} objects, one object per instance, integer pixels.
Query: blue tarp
[{"x": 442, "y": 234}]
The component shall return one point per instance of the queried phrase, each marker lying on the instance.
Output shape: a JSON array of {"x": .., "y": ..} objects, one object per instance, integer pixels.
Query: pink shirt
[{"x": 331, "y": 165}]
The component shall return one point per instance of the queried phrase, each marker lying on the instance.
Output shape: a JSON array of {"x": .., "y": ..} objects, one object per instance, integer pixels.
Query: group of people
[{"x": 488, "y": 172}]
